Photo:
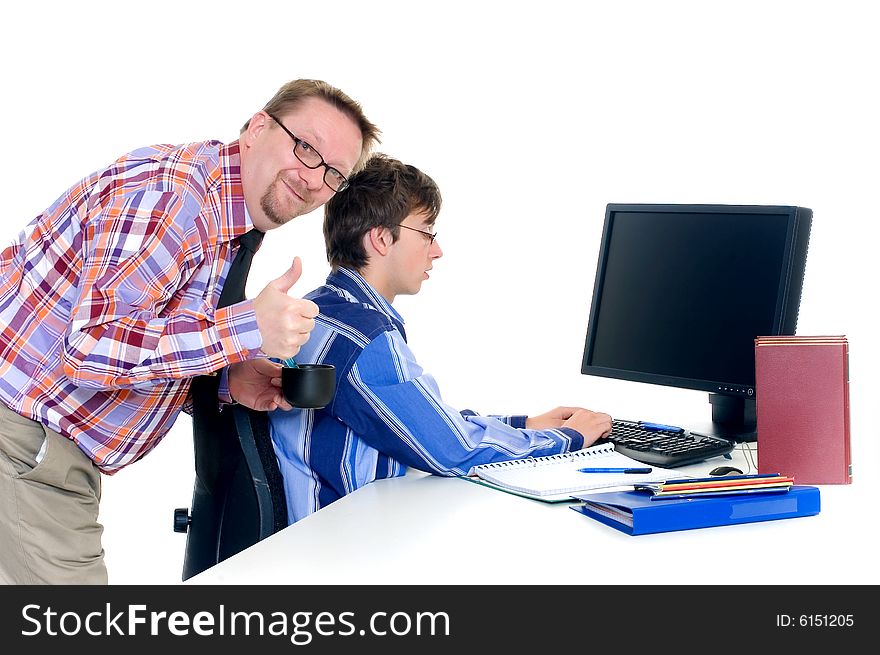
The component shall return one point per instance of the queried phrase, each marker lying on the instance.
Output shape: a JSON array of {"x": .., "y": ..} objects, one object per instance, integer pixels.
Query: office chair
[{"x": 238, "y": 497}]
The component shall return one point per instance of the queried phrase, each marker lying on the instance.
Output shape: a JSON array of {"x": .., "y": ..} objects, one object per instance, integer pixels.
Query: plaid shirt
[{"x": 107, "y": 299}]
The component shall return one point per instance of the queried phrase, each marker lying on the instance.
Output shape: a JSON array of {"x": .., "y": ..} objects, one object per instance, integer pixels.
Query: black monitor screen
[{"x": 682, "y": 291}]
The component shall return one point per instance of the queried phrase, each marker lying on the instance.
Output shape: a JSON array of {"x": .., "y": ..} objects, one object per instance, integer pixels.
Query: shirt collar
[
  {"x": 355, "y": 284},
  {"x": 234, "y": 217}
]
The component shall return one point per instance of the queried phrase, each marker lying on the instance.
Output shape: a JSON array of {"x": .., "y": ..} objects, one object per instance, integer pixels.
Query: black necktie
[
  {"x": 204, "y": 387},
  {"x": 233, "y": 289},
  {"x": 217, "y": 453}
]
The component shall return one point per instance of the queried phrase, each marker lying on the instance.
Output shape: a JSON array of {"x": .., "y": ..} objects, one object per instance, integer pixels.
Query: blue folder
[{"x": 635, "y": 513}]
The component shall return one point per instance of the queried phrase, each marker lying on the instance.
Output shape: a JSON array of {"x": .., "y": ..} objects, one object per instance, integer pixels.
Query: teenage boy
[{"x": 387, "y": 413}]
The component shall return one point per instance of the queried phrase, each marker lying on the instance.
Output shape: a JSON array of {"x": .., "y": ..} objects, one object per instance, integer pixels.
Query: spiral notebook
[{"x": 555, "y": 477}]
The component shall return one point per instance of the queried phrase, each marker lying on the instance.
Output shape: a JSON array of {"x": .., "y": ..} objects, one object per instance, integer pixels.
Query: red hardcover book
[{"x": 802, "y": 405}]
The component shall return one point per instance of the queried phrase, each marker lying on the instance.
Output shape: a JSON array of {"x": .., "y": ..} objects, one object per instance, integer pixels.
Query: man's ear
[
  {"x": 257, "y": 123},
  {"x": 379, "y": 240}
]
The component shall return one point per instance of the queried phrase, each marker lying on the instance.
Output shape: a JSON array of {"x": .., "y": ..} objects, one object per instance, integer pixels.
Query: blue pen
[
  {"x": 614, "y": 470},
  {"x": 660, "y": 427}
]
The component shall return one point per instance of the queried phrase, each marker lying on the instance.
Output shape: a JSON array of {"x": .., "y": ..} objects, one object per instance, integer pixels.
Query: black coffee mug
[{"x": 309, "y": 386}]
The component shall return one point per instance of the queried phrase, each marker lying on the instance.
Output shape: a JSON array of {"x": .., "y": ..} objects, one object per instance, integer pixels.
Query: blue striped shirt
[{"x": 387, "y": 413}]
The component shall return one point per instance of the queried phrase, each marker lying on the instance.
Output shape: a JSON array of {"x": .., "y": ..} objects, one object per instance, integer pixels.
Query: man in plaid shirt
[{"x": 108, "y": 309}]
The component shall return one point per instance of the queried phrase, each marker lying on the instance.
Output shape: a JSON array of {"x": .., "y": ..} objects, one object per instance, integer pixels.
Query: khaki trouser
[{"x": 49, "y": 530}]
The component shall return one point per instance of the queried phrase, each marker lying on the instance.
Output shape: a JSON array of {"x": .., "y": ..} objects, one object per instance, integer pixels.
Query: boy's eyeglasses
[{"x": 430, "y": 235}]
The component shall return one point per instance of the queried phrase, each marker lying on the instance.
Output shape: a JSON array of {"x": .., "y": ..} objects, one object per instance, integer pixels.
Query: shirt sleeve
[
  {"x": 514, "y": 420},
  {"x": 396, "y": 407},
  {"x": 137, "y": 321}
]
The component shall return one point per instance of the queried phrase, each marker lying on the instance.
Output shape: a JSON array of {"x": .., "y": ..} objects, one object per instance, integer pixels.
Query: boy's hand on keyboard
[
  {"x": 552, "y": 419},
  {"x": 591, "y": 425}
]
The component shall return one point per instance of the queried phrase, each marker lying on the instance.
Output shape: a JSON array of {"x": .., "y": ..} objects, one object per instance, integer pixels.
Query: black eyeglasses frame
[
  {"x": 299, "y": 144},
  {"x": 432, "y": 235}
]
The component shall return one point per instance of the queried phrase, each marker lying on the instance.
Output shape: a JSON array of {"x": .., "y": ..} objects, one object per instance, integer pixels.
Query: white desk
[{"x": 423, "y": 529}]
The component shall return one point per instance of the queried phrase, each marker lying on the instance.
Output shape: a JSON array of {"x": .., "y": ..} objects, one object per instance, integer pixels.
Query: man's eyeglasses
[
  {"x": 430, "y": 235},
  {"x": 313, "y": 159}
]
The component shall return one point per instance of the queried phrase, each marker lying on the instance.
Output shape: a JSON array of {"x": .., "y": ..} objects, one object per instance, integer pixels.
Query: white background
[{"x": 531, "y": 117}]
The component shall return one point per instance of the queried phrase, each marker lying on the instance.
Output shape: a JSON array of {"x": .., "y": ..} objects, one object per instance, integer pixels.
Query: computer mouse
[{"x": 725, "y": 470}]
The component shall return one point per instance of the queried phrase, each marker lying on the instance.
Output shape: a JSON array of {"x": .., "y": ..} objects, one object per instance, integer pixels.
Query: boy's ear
[{"x": 379, "y": 240}]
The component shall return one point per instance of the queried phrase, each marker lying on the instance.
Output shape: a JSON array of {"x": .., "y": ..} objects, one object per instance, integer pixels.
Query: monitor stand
[{"x": 733, "y": 418}]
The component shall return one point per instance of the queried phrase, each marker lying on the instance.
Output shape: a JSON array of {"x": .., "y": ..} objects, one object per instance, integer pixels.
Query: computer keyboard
[{"x": 664, "y": 446}]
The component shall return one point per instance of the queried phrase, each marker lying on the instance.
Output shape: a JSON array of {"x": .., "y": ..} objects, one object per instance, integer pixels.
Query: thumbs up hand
[{"x": 284, "y": 322}]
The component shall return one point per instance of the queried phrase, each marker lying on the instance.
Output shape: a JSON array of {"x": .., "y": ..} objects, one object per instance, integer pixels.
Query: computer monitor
[{"x": 681, "y": 292}]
